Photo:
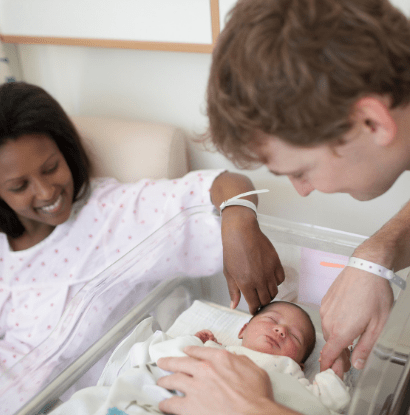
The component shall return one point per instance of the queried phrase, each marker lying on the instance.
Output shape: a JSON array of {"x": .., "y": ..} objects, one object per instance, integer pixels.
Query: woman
[{"x": 59, "y": 229}]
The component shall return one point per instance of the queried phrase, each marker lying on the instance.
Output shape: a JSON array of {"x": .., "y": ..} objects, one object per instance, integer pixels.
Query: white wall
[{"x": 170, "y": 87}]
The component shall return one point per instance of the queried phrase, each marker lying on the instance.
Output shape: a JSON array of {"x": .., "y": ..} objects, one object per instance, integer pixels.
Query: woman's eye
[
  {"x": 51, "y": 169},
  {"x": 19, "y": 188}
]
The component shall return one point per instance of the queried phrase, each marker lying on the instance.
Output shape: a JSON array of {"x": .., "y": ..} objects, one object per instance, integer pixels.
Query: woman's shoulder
[
  {"x": 97, "y": 183},
  {"x": 106, "y": 187}
]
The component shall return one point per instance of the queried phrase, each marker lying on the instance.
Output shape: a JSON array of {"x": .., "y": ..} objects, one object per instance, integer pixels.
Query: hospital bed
[{"x": 75, "y": 353}]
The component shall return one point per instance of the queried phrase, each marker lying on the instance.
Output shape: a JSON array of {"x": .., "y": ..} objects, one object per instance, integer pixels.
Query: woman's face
[{"x": 35, "y": 181}]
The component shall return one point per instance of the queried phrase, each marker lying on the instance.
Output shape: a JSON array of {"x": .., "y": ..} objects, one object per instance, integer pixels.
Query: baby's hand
[{"x": 206, "y": 335}]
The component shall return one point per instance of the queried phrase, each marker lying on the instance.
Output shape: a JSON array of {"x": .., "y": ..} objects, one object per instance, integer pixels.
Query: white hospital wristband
[
  {"x": 377, "y": 270},
  {"x": 236, "y": 201}
]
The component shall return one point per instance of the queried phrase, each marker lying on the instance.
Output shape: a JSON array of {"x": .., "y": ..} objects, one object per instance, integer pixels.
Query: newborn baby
[{"x": 280, "y": 329}]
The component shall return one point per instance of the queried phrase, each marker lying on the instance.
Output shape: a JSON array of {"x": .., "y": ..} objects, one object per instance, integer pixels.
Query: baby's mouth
[{"x": 273, "y": 341}]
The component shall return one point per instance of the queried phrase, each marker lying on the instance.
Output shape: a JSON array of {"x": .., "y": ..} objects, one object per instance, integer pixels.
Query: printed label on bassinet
[{"x": 318, "y": 270}]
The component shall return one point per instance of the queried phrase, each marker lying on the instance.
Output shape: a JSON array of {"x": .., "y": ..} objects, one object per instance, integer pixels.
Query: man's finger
[
  {"x": 330, "y": 352},
  {"x": 178, "y": 364},
  {"x": 171, "y": 405},
  {"x": 338, "y": 369},
  {"x": 177, "y": 381},
  {"x": 362, "y": 349}
]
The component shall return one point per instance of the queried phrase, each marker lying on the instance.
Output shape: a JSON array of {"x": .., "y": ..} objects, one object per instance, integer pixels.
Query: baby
[
  {"x": 279, "y": 338},
  {"x": 280, "y": 328}
]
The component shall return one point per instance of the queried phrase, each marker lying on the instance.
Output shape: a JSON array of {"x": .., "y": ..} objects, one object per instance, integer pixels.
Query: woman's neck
[{"x": 29, "y": 239}]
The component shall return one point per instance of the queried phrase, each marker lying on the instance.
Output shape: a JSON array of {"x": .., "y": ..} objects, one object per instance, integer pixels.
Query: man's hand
[
  {"x": 357, "y": 304},
  {"x": 216, "y": 382},
  {"x": 341, "y": 364},
  {"x": 251, "y": 264}
]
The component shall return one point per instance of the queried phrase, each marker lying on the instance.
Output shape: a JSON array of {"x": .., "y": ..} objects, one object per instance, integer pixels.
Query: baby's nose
[{"x": 280, "y": 330}]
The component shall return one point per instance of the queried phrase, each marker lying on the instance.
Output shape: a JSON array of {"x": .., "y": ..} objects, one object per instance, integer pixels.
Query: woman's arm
[
  {"x": 251, "y": 264},
  {"x": 216, "y": 382}
]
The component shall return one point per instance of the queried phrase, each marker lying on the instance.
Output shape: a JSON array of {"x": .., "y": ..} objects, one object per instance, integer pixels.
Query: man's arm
[
  {"x": 358, "y": 303},
  {"x": 216, "y": 382},
  {"x": 251, "y": 264}
]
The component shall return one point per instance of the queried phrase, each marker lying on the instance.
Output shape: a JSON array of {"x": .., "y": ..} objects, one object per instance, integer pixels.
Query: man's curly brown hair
[{"x": 295, "y": 68}]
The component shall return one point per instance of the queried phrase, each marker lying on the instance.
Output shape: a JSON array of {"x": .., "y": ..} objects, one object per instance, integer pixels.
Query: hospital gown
[
  {"x": 36, "y": 284},
  {"x": 127, "y": 385}
]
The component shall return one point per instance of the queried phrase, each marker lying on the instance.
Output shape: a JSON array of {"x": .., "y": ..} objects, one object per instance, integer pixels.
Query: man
[{"x": 319, "y": 91}]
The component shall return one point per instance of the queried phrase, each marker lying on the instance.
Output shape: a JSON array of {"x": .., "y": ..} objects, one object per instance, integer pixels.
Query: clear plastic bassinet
[{"x": 42, "y": 377}]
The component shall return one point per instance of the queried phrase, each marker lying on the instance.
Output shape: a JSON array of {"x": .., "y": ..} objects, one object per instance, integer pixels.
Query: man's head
[
  {"x": 307, "y": 73},
  {"x": 282, "y": 329}
]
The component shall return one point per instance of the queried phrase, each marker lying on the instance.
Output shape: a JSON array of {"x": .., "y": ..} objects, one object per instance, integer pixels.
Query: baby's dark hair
[{"x": 311, "y": 345}]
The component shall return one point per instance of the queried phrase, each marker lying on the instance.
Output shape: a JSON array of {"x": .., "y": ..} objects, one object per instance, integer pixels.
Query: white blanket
[{"x": 128, "y": 383}]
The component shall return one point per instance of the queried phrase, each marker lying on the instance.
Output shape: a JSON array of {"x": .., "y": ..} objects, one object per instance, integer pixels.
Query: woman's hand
[
  {"x": 357, "y": 304},
  {"x": 216, "y": 382},
  {"x": 251, "y": 264}
]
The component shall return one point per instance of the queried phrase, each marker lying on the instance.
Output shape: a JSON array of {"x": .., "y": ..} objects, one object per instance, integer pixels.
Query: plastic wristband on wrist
[
  {"x": 376, "y": 269},
  {"x": 236, "y": 201}
]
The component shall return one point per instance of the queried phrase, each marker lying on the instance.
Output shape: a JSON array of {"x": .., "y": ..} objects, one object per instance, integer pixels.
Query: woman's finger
[{"x": 233, "y": 289}]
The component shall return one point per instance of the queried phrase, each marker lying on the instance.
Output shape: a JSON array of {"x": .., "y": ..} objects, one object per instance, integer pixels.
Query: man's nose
[{"x": 303, "y": 187}]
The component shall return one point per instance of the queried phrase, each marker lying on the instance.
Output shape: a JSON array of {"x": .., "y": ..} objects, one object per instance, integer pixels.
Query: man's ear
[
  {"x": 240, "y": 335},
  {"x": 373, "y": 115}
]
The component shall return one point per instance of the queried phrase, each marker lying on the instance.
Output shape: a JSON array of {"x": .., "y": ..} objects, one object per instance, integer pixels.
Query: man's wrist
[
  {"x": 374, "y": 250},
  {"x": 378, "y": 270}
]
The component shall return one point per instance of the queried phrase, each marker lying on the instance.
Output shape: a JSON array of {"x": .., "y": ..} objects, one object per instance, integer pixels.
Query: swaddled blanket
[{"x": 128, "y": 386}]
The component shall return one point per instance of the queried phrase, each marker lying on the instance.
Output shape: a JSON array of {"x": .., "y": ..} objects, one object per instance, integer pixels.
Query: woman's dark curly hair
[{"x": 28, "y": 109}]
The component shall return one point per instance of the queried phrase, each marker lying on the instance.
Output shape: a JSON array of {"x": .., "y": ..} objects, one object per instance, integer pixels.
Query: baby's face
[{"x": 282, "y": 329}]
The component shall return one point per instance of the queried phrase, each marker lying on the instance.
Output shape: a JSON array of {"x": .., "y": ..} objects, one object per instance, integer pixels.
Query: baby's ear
[{"x": 240, "y": 335}]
